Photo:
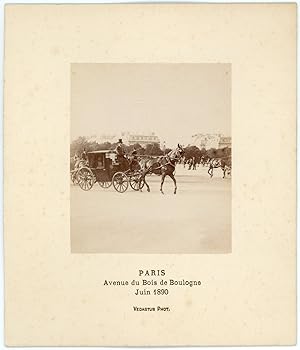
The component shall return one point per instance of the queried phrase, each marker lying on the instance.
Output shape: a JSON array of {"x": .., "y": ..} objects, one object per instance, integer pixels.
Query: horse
[
  {"x": 163, "y": 165},
  {"x": 223, "y": 163},
  {"x": 204, "y": 160}
]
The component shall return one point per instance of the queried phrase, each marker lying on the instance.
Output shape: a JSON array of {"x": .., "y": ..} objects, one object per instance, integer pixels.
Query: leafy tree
[
  {"x": 78, "y": 145},
  {"x": 136, "y": 147},
  {"x": 212, "y": 153},
  {"x": 153, "y": 150},
  {"x": 219, "y": 153},
  {"x": 227, "y": 151},
  {"x": 104, "y": 146},
  {"x": 192, "y": 151}
]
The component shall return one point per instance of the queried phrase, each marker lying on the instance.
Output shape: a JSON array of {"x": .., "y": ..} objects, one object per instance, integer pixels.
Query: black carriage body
[
  {"x": 103, "y": 164},
  {"x": 103, "y": 167}
]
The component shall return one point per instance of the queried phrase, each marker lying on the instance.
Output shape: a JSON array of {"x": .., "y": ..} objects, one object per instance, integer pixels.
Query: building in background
[
  {"x": 208, "y": 141},
  {"x": 142, "y": 138},
  {"x": 225, "y": 141},
  {"x": 128, "y": 138}
]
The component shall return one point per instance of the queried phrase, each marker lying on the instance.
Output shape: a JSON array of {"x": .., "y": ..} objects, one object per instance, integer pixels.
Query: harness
[{"x": 169, "y": 162}]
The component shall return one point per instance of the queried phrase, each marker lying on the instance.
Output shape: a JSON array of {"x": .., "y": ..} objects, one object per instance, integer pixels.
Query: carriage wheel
[
  {"x": 105, "y": 183},
  {"x": 85, "y": 178},
  {"x": 120, "y": 182},
  {"x": 74, "y": 177},
  {"x": 134, "y": 182}
]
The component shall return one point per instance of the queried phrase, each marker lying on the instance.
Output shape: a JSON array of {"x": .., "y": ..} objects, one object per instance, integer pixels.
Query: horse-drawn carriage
[{"x": 103, "y": 167}]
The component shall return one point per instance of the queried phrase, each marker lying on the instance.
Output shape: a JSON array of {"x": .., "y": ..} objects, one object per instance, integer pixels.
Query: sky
[{"x": 175, "y": 101}]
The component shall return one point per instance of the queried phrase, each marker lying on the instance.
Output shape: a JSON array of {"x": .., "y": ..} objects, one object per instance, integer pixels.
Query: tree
[
  {"x": 212, "y": 153},
  {"x": 219, "y": 153},
  {"x": 153, "y": 150},
  {"x": 105, "y": 146},
  {"x": 78, "y": 145},
  {"x": 192, "y": 151},
  {"x": 136, "y": 147}
]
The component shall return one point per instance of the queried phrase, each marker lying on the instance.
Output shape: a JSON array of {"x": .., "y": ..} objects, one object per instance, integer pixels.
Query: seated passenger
[{"x": 100, "y": 164}]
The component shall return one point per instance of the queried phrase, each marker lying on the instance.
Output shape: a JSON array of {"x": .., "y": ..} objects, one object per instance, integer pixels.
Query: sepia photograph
[
  {"x": 123, "y": 215},
  {"x": 150, "y": 158}
]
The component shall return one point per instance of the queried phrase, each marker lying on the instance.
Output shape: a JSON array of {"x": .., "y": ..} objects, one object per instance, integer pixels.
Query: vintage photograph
[{"x": 150, "y": 158}]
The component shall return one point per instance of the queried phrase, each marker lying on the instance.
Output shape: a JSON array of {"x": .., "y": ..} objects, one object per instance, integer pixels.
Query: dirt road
[{"x": 195, "y": 220}]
